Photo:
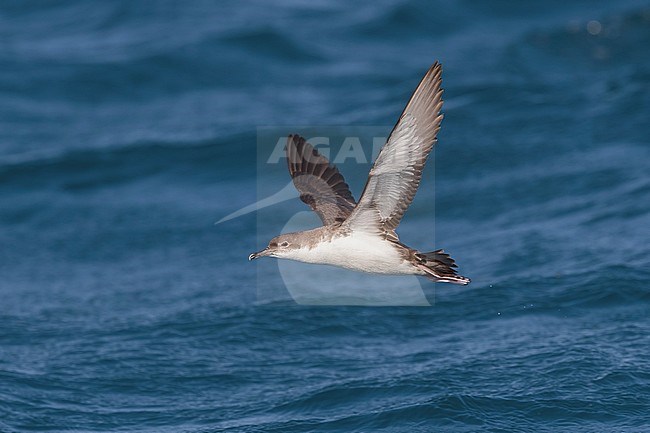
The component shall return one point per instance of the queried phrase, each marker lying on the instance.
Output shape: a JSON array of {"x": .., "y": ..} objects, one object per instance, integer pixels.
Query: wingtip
[
  {"x": 294, "y": 137},
  {"x": 437, "y": 66}
]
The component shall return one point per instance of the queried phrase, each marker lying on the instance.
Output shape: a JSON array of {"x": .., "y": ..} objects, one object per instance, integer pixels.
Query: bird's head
[{"x": 280, "y": 246}]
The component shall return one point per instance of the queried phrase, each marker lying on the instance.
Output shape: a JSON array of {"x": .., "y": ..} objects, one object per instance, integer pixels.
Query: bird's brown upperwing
[{"x": 318, "y": 182}]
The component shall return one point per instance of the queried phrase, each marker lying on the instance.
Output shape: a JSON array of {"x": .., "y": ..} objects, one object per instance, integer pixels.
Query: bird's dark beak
[{"x": 262, "y": 253}]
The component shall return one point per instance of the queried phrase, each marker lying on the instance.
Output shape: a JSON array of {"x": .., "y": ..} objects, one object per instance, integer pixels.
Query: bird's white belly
[{"x": 359, "y": 252}]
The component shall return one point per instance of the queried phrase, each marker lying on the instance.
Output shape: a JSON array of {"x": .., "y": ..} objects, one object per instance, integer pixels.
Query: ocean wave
[{"x": 105, "y": 167}]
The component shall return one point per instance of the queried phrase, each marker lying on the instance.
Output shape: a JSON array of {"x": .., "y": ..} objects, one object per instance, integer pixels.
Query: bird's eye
[{"x": 284, "y": 244}]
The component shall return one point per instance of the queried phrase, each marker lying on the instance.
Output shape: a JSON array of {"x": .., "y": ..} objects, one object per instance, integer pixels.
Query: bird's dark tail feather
[{"x": 440, "y": 267}]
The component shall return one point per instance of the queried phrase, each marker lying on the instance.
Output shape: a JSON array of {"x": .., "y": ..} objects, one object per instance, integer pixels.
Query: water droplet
[{"x": 594, "y": 27}]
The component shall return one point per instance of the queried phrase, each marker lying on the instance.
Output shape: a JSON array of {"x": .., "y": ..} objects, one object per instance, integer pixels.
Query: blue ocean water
[{"x": 128, "y": 128}]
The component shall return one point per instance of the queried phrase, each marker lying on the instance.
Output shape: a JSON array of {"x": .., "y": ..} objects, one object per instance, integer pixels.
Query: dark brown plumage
[{"x": 318, "y": 182}]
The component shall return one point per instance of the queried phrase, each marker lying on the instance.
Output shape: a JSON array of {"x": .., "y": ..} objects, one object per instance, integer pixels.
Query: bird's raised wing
[
  {"x": 395, "y": 176},
  {"x": 318, "y": 182}
]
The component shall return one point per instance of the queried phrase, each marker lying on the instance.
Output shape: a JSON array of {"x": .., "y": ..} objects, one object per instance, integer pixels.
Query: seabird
[{"x": 361, "y": 236}]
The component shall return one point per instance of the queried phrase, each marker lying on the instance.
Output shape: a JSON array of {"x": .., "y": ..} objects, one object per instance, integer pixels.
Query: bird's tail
[{"x": 438, "y": 266}]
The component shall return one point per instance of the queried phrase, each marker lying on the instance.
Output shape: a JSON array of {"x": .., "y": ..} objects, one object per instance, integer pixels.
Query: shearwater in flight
[{"x": 361, "y": 236}]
